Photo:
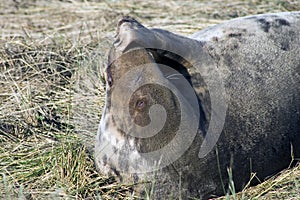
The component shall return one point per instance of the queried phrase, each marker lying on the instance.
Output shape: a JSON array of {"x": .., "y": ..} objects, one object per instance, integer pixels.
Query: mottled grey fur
[{"x": 259, "y": 60}]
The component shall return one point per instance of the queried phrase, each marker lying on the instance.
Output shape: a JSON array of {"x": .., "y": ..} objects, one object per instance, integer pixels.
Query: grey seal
[{"x": 257, "y": 59}]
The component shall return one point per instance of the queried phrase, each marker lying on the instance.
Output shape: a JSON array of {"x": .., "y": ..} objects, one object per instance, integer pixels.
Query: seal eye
[{"x": 140, "y": 104}]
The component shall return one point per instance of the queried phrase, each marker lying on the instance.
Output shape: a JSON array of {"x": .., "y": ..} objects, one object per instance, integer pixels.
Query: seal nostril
[
  {"x": 109, "y": 81},
  {"x": 109, "y": 77},
  {"x": 125, "y": 19},
  {"x": 128, "y": 19}
]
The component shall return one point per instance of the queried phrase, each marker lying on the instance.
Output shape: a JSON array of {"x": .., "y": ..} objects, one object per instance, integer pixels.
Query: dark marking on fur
[
  {"x": 216, "y": 39},
  {"x": 115, "y": 150},
  {"x": 285, "y": 45},
  {"x": 278, "y": 22},
  {"x": 265, "y": 25},
  {"x": 104, "y": 159},
  {"x": 116, "y": 172},
  {"x": 234, "y": 34},
  {"x": 282, "y": 22},
  {"x": 106, "y": 124},
  {"x": 123, "y": 159},
  {"x": 121, "y": 132}
]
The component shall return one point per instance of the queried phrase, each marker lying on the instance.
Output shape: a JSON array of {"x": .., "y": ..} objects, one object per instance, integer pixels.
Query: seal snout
[
  {"x": 131, "y": 34},
  {"x": 127, "y": 19},
  {"x": 129, "y": 22}
]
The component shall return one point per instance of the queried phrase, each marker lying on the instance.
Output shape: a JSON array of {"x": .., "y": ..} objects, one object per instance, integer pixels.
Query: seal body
[{"x": 257, "y": 59}]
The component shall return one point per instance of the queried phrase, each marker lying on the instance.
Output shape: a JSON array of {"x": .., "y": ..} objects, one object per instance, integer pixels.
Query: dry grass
[{"x": 52, "y": 55}]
